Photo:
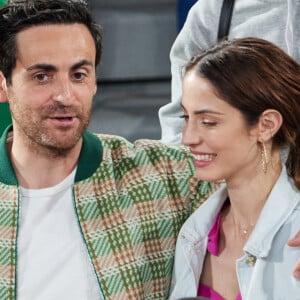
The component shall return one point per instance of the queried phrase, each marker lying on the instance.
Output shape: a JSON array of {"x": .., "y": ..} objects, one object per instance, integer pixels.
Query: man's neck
[{"x": 41, "y": 168}]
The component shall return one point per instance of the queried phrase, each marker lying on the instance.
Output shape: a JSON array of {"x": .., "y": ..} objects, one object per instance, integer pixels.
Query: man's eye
[
  {"x": 41, "y": 77},
  {"x": 79, "y": 76}
]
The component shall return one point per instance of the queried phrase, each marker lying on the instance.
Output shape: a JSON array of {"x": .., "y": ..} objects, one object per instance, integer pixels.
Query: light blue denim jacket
[{"x": 271, "y": 276}]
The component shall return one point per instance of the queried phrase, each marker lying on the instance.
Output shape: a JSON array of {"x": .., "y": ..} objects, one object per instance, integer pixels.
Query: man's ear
[
  {"x": 3, "y": 88},
  {"x": 95, "y": 89},
  {"x": 269, "y": 123}
]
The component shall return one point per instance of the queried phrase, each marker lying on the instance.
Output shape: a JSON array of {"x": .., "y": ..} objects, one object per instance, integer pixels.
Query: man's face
[{"x": 53, "y": 85}]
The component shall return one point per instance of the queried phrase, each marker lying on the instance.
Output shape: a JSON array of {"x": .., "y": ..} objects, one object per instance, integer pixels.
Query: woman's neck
[{"x": 247, "y": 197}]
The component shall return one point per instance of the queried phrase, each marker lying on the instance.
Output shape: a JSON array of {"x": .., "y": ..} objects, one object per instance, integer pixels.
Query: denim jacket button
[{"x": 251, "y": 260}]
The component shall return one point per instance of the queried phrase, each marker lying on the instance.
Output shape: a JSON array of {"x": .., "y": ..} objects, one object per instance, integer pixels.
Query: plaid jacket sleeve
[{"x": 130, "y": 212}]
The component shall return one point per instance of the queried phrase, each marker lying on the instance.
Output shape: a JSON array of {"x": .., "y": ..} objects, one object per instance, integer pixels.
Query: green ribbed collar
[
  {"x": 89, "y": 159},
  {"x": 90, "y": 156}
]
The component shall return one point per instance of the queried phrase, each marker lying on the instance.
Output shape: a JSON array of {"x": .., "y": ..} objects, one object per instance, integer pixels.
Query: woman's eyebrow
[{"x": 203, "y": 111}]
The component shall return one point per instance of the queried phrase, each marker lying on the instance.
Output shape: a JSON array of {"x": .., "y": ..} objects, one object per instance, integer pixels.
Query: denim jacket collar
[{"x": 282, "y": 200}]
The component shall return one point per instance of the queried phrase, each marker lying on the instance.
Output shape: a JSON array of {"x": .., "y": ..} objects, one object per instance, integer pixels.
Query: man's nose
[{"x": 63, "y": 90}]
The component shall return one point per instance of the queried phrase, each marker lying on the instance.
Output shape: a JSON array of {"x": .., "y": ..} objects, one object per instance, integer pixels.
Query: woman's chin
[{"x": 207, "y": 177}]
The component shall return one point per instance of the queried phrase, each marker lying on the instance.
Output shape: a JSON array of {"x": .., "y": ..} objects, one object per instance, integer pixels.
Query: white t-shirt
[{"x": 53, "y": 262}]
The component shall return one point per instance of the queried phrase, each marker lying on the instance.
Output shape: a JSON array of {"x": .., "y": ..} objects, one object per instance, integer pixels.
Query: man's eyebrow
[
  {"x": 46, "y": 67},
  {"x": 81, "y": 63},
  {"x": 49, "y": 67},
  {"x": 203, "y": 111}
]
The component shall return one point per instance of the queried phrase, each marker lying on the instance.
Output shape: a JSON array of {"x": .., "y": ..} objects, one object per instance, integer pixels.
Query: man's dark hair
[{"x": 18, "y": 15}]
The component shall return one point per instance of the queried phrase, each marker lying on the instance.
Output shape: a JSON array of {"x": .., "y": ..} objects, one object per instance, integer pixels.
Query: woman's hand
[{"x": 295, "y": 242}]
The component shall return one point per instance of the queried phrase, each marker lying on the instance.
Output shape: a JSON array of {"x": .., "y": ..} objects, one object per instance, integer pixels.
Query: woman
[{"x": 241, "y": 104}]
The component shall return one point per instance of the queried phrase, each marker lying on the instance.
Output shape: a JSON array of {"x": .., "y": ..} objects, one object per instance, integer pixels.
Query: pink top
[{"x": 212, "y": 247}]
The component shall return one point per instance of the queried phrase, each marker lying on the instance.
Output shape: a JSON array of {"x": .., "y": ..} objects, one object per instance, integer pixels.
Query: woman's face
[{"x": 222, "y": 145}]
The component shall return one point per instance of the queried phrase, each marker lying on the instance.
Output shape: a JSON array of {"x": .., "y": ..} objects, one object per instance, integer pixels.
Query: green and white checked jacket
[{"x": 130, "y": 200}]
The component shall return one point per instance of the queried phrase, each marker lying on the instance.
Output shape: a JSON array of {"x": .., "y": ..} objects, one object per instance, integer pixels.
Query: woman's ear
[
  {"x": 3, "y": 88},
  {"x": 269, "y": 123}
]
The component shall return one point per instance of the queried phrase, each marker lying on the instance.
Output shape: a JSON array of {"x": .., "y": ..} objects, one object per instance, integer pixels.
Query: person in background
[
  {"x": 241, "y": 107},
  {"x": 183, "y": 7},
  {"x": 82, "y": 216},
  {"x": 275, "y": 21}
]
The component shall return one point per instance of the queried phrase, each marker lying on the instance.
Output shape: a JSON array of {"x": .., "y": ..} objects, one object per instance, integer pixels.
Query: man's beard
[{"x": 41, "y": 138}]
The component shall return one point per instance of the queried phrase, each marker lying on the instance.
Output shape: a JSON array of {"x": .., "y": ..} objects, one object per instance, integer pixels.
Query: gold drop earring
[{"x": 264, "y": 157}]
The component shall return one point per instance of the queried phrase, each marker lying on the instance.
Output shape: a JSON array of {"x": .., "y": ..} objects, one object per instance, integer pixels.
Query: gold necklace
[{"x": 245, "y": 230}]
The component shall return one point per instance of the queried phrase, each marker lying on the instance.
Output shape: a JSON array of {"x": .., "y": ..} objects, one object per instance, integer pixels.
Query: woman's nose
[{"x": 190, "y": 134}]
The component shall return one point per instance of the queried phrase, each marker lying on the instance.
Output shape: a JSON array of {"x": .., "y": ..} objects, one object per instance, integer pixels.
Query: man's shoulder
[
  {"x": 145, "y": 157},
  {"x": 114, "y": 143}
]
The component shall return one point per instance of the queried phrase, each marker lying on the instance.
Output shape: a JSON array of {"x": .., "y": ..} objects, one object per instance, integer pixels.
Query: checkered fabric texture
[
  {"x": 130, "y": 212},
  {"x": 8, "y": 234}
]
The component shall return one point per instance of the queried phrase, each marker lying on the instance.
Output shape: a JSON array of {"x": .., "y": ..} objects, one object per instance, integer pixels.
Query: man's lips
[
  {"x": 63, "y": 120},
  {"x": 62, "y": 117}
]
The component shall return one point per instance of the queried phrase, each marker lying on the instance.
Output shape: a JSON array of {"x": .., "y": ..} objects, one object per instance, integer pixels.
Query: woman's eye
[
  {"x": 185, "y": 117},
  {"x": 209, "y": 123}
]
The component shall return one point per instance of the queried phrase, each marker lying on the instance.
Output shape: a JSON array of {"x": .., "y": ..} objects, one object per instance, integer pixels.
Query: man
[{"x": 82, "y": 216}]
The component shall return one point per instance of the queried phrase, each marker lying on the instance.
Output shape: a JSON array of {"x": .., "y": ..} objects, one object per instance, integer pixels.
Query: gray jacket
[{"x": 273, "y": 20}]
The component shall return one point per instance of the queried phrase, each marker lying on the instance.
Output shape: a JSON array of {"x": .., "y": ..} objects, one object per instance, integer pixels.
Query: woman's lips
[{"x": 203, "y": 159}]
